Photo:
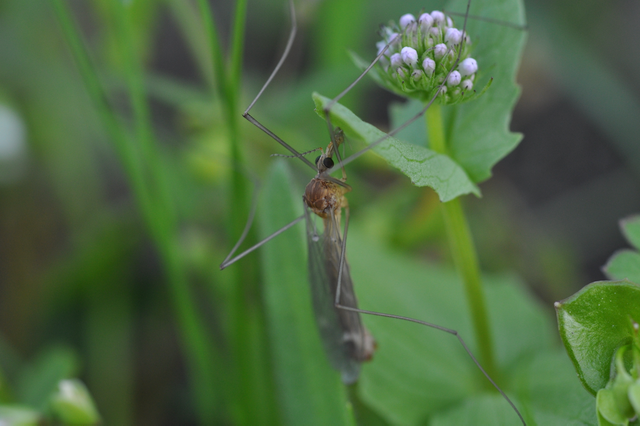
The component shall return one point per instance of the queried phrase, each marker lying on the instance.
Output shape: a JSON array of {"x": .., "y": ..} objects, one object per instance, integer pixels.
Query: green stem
[
  {"x": 464, "y": 254},
  {"x": 252, "y": 385}
]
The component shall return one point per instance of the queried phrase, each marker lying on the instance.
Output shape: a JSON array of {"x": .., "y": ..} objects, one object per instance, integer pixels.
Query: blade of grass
[
  {"x": 253, "y": 386},
  {"x": 155, "y": 207}
]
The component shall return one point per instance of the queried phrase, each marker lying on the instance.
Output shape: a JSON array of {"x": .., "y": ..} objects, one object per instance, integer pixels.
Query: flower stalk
[{"x": 464, "y": 255}]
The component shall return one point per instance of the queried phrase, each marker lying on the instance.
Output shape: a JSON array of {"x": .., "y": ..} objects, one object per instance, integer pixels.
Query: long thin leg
[
  {"x": 292, "y": 36},
  {"x": 446, "y": 330},
  {"x": 428, "y": 324},
  {"x": 228, "y": 262}
]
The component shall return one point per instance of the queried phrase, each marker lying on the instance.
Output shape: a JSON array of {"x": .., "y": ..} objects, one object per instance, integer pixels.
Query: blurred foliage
[{"x": 89, "y": 286}]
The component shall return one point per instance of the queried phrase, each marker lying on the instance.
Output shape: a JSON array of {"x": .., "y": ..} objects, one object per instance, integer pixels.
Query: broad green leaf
[
  {"x": 608, "y": 409},
  {"x": 417, "y": 371},
  {"x": 594, "y": 323},
  {"x": 549, "y": 391},
  {"x": 478, "y": 131},
  {"x": 624, "y": 264},
  {"x": 423, "y": 166},
  {"x": 631, "y": 230},
  {"x": 309, "y": 390},
  {"x": 634, "y": 396}
]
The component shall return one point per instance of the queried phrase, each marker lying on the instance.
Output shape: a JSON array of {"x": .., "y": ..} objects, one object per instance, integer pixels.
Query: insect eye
[
  {"x": 328, "y": 162},
  {"x": 317, "y": 159}
]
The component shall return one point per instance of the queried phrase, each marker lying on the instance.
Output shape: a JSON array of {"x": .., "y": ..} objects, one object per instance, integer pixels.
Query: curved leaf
[
  {"x": 594, "y": 323},
  {"x": 478, "y": 131},
  {"x": 423, "y": 166}
]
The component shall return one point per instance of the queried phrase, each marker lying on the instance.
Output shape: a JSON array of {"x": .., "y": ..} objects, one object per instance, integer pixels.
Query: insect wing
[{"x": 335, "y": 325}]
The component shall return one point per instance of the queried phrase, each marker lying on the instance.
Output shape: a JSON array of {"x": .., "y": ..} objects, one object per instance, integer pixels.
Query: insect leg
[
  {"x": 228, "y": 261},
  {"x": 245, "y": 114}
]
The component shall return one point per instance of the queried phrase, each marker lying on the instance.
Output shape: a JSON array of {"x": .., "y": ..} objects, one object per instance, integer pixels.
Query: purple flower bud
[
  {"x": 406, "y": 20},
  {"x": 438, "y": 17},
  {"x": 440, "y": 51},
  {"x": 468, "y": 67},
  {"x": 426, "y": 21},
  {"x": 454, "y": 78},
  {"x": 416, "y": 75},
  {"x": 453, "y": 36},
  {"x": 396, "y": 60},
  {"x": 401, "y": 73},
  {"x": 409, "y": 56},
  {"x": 466, "y": 84},
  {"x": 429, "y": 66}
]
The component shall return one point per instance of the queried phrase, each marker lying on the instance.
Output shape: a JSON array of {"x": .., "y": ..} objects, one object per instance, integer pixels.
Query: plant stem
[
  {"x": 252, "y": 385},
  {"x": 464, "y": 253}
]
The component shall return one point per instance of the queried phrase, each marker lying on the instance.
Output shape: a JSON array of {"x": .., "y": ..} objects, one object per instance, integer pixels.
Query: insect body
[{"x": 345, "y": 339}]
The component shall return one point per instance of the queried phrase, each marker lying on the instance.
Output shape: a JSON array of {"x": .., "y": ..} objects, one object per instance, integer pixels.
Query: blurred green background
[{"x": 83, "y": 279}]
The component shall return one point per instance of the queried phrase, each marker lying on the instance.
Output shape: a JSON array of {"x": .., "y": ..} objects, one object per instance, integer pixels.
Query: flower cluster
[{"x": 421, "y": 55}]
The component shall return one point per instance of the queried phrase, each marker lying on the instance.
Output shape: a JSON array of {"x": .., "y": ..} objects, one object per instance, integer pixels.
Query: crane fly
[{"x": 346, "y": 341}]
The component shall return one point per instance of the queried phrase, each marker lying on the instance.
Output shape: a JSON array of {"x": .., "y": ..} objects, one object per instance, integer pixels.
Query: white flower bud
[
  {"x": 435, "y": 31},
  {"x": 396, "y": 60},
  {"x": 453, "y": 36},
  {"x": 380, "y": 45},
  {"x": 466, "y": 84},
  {"x": 406, "y": 20},
  {"x": 409, "y": 56},
  {"x": 401, "y": 73},
  {"x": 442, "y": 91},
  {"x": 426, "y": 21},
  {"x": 438, "y": 17},
  {"x": 454, "y": 78},
  {"x": 468, "y": 67},
  {"x": 440, "y": 50},
  {"x": 416, "y": 75},
  {"x": 429, "y": 66}
]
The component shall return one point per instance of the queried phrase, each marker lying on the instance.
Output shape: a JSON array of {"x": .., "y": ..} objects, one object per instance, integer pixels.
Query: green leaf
[
  {"x": 423, "y": 166},
  {"x": 624, "y": 264},
  {"x": 608, "y": 409},
  {"x": 417, "y": 372},
  {"x": 547, "y": 386},
  {"x": 309, "y": 390},
  {"x": 594, "y": 323},
  {"x": 631, "y": 230},
  {"x": 478, "y": 131},
  {"x": 634, "y": 396},
  {"x": 486, "y": 409}
]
